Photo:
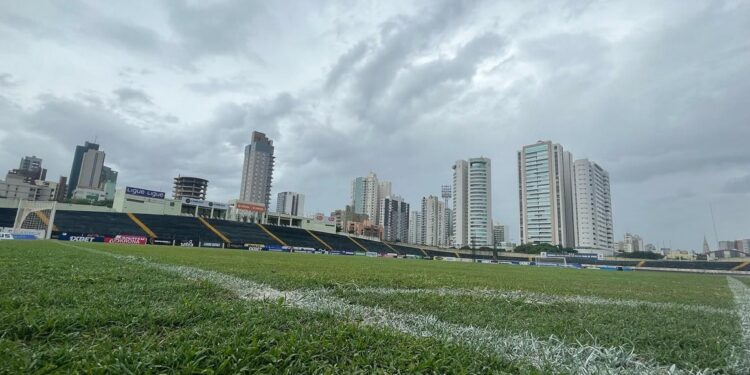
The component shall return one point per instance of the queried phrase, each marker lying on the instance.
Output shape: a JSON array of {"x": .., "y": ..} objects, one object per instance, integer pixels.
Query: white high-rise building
[
  {"x": 415, "y": 228},
  {"x": 367, "y": 193},
  {"x": 593, "y": 207},
  {"x": 433, "y": 228},
  {"x": 545, "y": 189},
  {"x": 472, "y": 203},
  {"x": 257, "y": 171},
  {"x": 290, "y": 203},
  {"x": 394, "y": 213}
]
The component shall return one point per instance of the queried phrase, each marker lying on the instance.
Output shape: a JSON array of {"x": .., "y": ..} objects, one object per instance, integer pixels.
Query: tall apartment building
[
  {"x": 31, "y": 167},
  {"x": 189, "y": 187},
  {"x": 415, "y": 228},
  {"x": 394, "y": 213},
  {"x": 290, "y": 203},
  {"x": 433, "y": 227},
  {"x": 90, "y": 175},
  {"x": 75, "y": 170},
  {"x": 257, "y": 171},
  {"x": 108, "y": 182},
  {"x": 472, "y": 203},
  {"x": 593, "y": 206},
  {"x": 499, "y": 234},
  {"x": 545, "y": 189},
  {"x": 631, "y": 243},
  {"x": 367, "y": 193}
]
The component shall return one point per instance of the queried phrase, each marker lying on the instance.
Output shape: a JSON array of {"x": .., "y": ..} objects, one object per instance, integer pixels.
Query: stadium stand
[
  {"x": 243, "y": 232},
  {"x": 7, "y": 217},
  {"x": 407, "y": 250},
  {"x": 337, "y": 241},
  {"x": 295, "y": 236},
  {"x": 719, "y": 266},
  {"x": 374, "y": 246},
  {"x": 102, "y": 223},
  {"x": 177, "y": 227}
]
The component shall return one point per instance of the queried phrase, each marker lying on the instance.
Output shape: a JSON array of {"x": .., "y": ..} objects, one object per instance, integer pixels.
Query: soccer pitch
[{"x": 67, "y": 307}]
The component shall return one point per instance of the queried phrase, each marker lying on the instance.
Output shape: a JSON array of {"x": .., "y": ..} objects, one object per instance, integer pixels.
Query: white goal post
[{"x": 36, "y": 215}]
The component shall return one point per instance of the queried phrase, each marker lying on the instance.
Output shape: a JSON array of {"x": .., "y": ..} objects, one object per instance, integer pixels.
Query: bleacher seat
[
  {"x": 102, "y": 223},
  {"x": 242, "y": 232},
  {"x": 375, "y": 246},
  {"x": 178, "y": 228},
  {"x": 338, "y": 241},
  {"x": 407, "y": 250},
  {"x": 7, "y": 217},
  {"x": 295, "y": 236}
]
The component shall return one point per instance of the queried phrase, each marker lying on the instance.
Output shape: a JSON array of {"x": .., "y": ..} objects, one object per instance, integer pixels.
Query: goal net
[
  {"x": 36, "y": 216},
  {"x": 551, "y": 260}
]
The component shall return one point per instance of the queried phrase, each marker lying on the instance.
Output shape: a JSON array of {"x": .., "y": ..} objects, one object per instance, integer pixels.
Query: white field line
[
  {"x": 540, "y": 298},
  {"x": 741, "y": 356},
  {"x": 523, "y": 350}
]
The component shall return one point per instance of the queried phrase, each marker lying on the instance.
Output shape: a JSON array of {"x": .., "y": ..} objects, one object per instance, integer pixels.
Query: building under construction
[{"x": 190, "y": 187}]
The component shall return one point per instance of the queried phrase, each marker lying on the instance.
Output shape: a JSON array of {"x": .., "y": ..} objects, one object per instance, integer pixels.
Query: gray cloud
[
  {"x": 128, "y": 95},
  {"x": 7, "y": 81},
  {"x": 218, "y": 85},
  {"x": 738, "y": 185}
]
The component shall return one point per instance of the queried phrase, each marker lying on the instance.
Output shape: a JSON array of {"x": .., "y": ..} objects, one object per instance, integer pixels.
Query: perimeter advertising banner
[
  {"x": 126, "y": 239},
  {"x": 80, "y": 238}
]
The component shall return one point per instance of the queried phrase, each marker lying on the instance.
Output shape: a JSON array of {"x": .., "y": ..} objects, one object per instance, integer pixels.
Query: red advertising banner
[
  {"x": 129, "y": 240},
  {"x": 250, "y": 207}
]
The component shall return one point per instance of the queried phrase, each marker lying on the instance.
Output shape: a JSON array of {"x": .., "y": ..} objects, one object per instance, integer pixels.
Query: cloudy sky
[{"x": 657, "y": 92}]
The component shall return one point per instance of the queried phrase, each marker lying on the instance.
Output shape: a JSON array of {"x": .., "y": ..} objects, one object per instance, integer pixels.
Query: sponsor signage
[
  {"x": 211, "y": 244},
  {"x": 72, "y": 238},
  {"x": 247, "y": 206},
  {"x": 144, "y": 193},
  {"x": 204, "y": 204},
  {"x": 125, "y": 239},
  {"x": 157, "y": 241},
  {"x": 235, "y": 245},
  {"x": 186, "y": 243}
]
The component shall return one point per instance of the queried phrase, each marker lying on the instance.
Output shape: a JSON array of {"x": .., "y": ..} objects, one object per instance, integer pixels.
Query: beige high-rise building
[
  {"x": 257, "y": 171},
  {"x": 433, "y": 228},
  {"x": 91, "y": 169},
  {"x": 593, "y": 207}
]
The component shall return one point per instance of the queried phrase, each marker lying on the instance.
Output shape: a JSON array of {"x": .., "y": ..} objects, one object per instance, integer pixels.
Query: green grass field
[{"x": 67, "y": 307}]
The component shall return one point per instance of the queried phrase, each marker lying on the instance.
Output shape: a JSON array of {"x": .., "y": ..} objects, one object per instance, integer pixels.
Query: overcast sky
[{"x": 656, "y": 92}]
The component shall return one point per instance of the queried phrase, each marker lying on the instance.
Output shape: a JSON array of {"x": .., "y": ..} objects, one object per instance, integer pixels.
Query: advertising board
[
  {"x": 127, "y": 239},
  {"x": 186, "y": 243},
  {"x": 247, "y": 206},
  {"x": 144, "y": 192},
  {"x": 204, "y": 204},
  {"x": 80, "y": 238}
]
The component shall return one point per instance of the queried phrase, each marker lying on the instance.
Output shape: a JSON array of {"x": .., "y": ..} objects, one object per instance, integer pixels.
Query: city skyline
[{"x": 646, "y": 100}]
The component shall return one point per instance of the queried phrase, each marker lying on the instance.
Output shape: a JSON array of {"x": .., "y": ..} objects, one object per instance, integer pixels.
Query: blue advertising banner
[{"x": 144, "y": 193}]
